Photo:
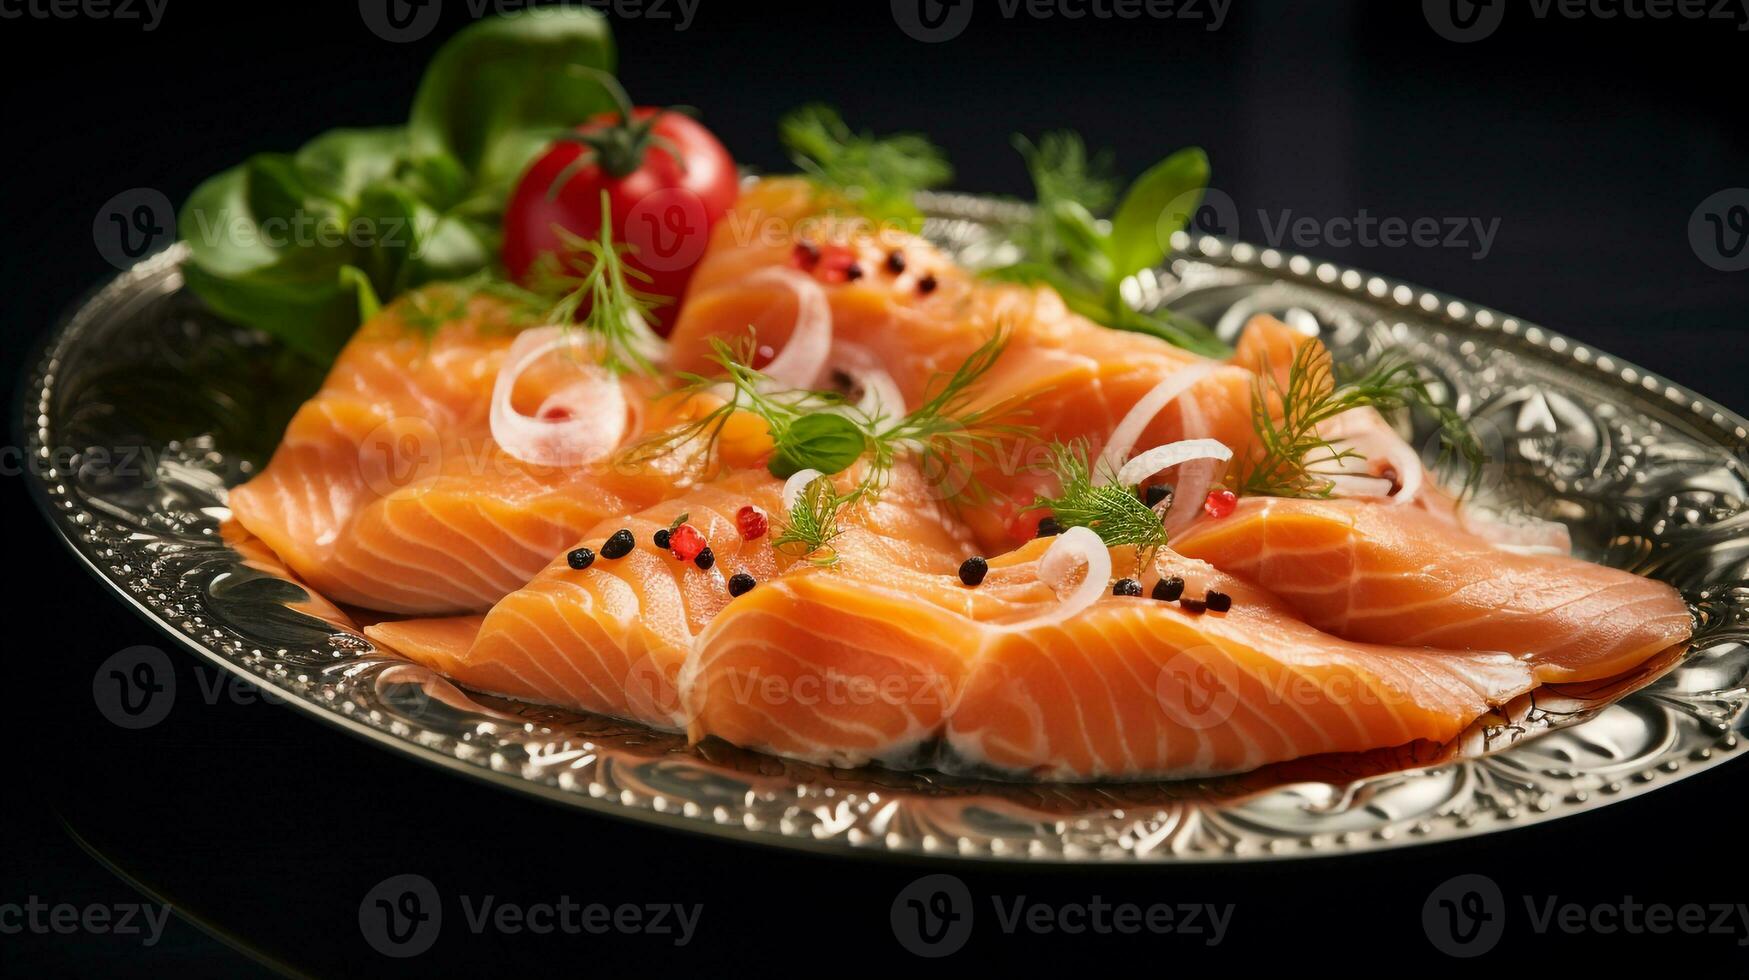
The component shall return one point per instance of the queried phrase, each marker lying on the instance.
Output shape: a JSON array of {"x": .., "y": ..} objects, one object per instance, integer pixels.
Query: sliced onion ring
[
  {"x": 1075, "y": 547},
  {"x": 793, "y": 487},
  {"x": 1169, "y": 455},
  {"x": 804, "y": 356},
  {"x": 881, "y": 398},
  {"x": 594, "y": 407},
  {"x": 1353, "y": 485},
  {"x": 1367, "y": 432},
  {"x": 1135, "y": 421}
]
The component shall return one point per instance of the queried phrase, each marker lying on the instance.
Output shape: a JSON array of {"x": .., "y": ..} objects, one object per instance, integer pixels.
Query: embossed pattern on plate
[{"x": 143, "y": 409}]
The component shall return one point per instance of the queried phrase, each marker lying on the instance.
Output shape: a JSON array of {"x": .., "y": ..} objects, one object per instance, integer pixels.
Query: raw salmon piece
[
  {"x": 389, "y": 493},
  {"x": 611, "y": 639},
  {"x": 1378, "y": 573},
  {"x": 864, "y": 664}
]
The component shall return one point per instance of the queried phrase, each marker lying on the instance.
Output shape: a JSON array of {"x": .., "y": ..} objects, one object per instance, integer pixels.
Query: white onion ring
[
  {"x": 1372, "y": 437},
  {"x": 1170, "y": 455},
  {"x": 881, "y": 398},
  {"x": 595, "y": 407},
  {"x": 804, "y": 356},
  {"x": 1351, "y": 485},
  {"x": 793, "y": 487},
  {"x": 1074, "y": 547},
  {"x": 1194, "y": 478},
  {"x": 1135, "y": 421}
]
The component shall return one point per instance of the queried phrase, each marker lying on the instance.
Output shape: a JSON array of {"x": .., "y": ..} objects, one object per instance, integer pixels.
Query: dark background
[{"x": 1590, "y": 141}]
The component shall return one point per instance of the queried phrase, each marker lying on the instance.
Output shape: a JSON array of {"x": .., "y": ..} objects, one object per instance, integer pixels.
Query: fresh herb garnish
[
  {"x": 613, "y": 310},
  {"x": 876, "y": 176},
  {"x": 1065, "y": 245},
  {"x": 945, "y": 432},
  {"x": 1295, "y": 460},
  {"x": 818, "y": 430},
  {"x": 304, "y": 245},
  {"x": 748, "y": 391},
  {"x": 811, "y": 525},
  {"x": 1110, "y": 510}
]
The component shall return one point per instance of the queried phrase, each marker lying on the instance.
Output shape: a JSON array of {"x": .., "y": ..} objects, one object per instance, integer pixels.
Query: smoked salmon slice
[
  {"x": 388, "y": 491},
  {"x": 1379, "y": 573},
  {"x": 612, "y": 638},
  {"x": 843, "y": 669}
]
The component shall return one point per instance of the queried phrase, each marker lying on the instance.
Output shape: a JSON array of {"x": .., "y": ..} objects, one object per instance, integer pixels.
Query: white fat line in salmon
[
  {"x": 568, "y": 916},
  {"x": 1101, "y": 917}
]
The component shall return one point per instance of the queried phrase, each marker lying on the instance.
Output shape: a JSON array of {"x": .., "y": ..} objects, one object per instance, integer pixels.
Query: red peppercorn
[
  {"x": 805, "y": 256},
  {"x": 1220, "y": 503},
  {"x": 751, "y": 522},
  {"x": 685, "y": 542},
  {"x": 558, "y": 413}
]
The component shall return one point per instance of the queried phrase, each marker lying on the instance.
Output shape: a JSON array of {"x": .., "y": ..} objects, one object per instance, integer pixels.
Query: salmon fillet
[
  {"x": 1381, "y": 573},
  {"x": 388, "y": 491},
  {"x": 844, "y": 668},
  {"x": 612, "y": 638}
]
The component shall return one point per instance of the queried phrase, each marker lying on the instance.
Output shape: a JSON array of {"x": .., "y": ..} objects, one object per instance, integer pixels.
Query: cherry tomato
[{"x": 668, "y": 181}]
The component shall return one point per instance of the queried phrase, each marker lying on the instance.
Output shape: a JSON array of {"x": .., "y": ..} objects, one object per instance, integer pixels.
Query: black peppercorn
[
  {"x": 926, "y": 285},
  {"x": 580, "y": 558},
  {"x": 661, "y": 538},
  {"x": 705, "y": 559},
  {"x": 973, "y": 570},
  {"x": 1169, "y": 589},
  {"x": 1127, "y": 586},
  {"x": 1049, "y": 528},
  {"x": 1157, "y": 494},
  {"x": 1190, "y": 605},
  {"x": 895, "y": 262},
  {"x": 1218, "y": 601},
  {"x": 619, "y": 545},
  {"x": 741, "y": 583}
]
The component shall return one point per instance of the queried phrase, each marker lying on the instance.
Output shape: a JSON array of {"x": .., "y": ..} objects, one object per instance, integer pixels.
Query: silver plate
[{"x": 143, "y": 409}]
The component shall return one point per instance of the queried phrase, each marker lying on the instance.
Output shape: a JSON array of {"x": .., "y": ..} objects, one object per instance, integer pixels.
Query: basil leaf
[
  {"x": 822, "y": 441},
  {"x": 498, "y": 92},
  {"x": 1159, "y": 203}
]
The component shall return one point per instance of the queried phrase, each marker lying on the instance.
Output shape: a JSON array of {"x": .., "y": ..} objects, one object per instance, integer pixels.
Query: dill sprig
[
  {"x": 1110, "y": 510},
  {"x": 945, "y": 433},
  {"x": 810, "y": 527},
  {"x": 618, "y": 313},
  {"x": 749, "y": 390},
  {"x": 1296, "y": 460},
  {"x": 877, "y": 176},
  {"x": 818, "y": 430}
]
